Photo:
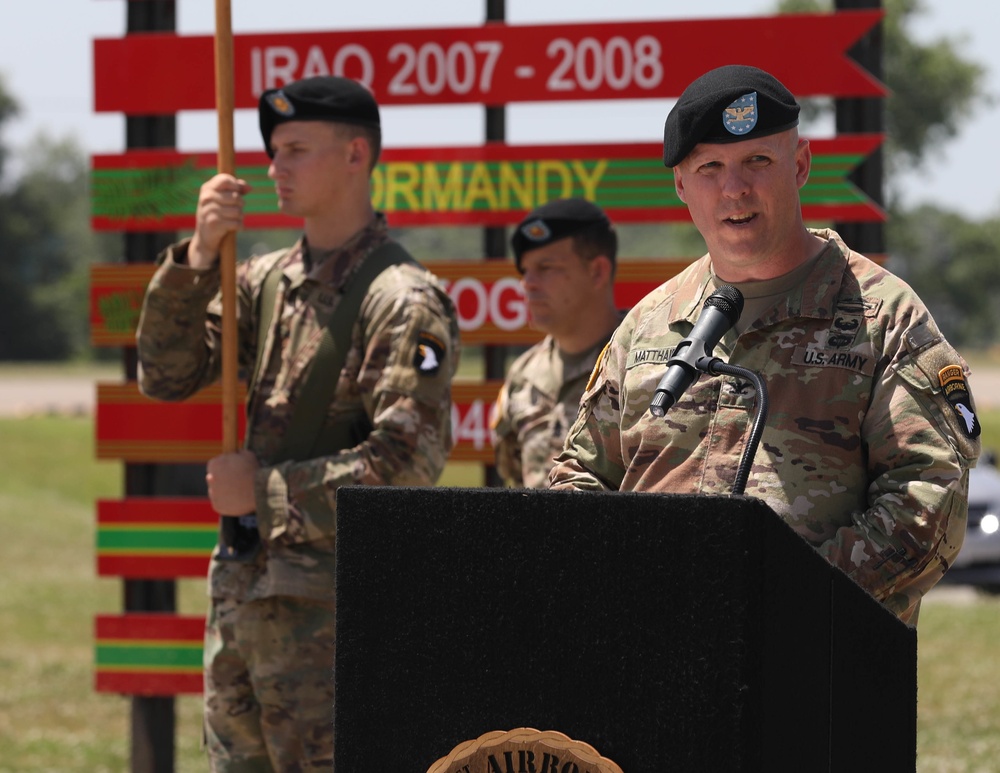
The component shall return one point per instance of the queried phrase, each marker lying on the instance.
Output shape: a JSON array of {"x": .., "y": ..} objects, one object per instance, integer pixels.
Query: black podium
[{"x": 671, "y": 633}]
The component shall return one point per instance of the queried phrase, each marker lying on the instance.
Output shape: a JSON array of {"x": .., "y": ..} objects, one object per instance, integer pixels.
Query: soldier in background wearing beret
[
  {"x": 872, "y": 429},
  {"x": 383, "y": 418},
  {"x": 565, "y": 252}
]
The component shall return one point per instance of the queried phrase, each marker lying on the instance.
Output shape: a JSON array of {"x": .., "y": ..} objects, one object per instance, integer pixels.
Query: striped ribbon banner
[
  {"x": 155, "y": 537},
  {"x": 131, "y": 427},
  {"x": 488, "y": 185},
  {"x": 148, "y": 653}
]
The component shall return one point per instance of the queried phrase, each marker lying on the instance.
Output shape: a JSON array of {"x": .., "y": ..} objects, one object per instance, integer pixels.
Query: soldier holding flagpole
[{"x": 350, "y": 346}]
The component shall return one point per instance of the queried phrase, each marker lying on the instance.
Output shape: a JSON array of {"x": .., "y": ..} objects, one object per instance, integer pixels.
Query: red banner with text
[
  {"x": 487, "y": 294},
  {"x": 493, "y": 64}
]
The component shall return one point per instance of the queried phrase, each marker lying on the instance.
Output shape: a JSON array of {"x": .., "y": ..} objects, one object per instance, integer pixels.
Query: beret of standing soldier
[
  {"x": 565, "y": 251},
  {"x": 323, "y": 98}
]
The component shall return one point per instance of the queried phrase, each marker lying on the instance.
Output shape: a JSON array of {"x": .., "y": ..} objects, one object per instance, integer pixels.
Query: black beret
[
  {"x": 727, "y": 104},
  {"x": 321, "y": 98},
  {"x": 553, "y": 221}
]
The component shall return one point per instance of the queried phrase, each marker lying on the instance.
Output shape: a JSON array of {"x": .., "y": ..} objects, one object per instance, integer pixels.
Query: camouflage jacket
[
  {"x": 862, "y": 452},
  {"x": 534, "y": 410},
  {"x": 403, "y": 317}
]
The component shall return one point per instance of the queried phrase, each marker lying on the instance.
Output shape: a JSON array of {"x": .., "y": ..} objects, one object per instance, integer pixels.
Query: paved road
[
  {"x": 24, "y": 394},
  {"x": 27, "y": 394}
]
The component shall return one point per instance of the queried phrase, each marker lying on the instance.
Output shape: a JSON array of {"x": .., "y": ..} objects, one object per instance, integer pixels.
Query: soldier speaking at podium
[{"x": 872, "y": 428}]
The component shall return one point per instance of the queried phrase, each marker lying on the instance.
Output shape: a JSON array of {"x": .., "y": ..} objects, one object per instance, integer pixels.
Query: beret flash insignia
[
  {"x": 280, "y": 104},
  {"x": 741, "y": 116},
  {"x": 536, "y": 230}
]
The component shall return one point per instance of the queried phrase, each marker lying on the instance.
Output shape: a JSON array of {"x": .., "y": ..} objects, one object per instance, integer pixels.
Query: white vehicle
[{"x": 978, "y": 562}]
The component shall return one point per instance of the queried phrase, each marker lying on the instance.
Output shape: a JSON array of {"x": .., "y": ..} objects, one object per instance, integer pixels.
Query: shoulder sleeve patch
[
  {"x": 597, "y": 367},
  {"x": 499, "y": 408},
  {"x": 956, "y": 391},
  {"x": 429, "y": 354}
]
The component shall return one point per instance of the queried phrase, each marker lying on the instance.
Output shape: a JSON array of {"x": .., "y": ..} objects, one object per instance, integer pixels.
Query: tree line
[{"x": 953, "y": 262}]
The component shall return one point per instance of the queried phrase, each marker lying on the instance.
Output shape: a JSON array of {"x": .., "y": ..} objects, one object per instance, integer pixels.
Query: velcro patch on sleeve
[
  {"x": 429, "y": 355},
  {"x": 597, "y": 368},
  {"x": 848, "y": 359},
  {"x": 499, "y": 408},
  {"x": 956, "y": 391},
  {"x": 648, "y": 357}
]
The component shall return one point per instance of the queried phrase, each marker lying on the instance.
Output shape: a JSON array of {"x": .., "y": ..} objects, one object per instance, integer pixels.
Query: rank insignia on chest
[
  {"x": 429, "y": 354},
  {"x": 956, "y": 391}
]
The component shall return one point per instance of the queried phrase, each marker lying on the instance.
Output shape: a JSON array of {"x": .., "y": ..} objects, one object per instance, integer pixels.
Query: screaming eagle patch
[
  {"x": 956, "y": 391},
  {"x": 429, "y": 354}
]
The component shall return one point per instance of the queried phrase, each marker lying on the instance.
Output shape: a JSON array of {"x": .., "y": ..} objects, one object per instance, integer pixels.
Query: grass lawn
[{"x": 52, "y": 720}]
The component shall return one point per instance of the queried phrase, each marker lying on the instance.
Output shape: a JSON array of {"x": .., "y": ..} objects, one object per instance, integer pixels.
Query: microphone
[{"x": 720, "y": 312}]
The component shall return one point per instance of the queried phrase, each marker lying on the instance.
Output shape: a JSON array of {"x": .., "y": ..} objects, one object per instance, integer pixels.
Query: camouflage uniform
[
  {"x": 409, "y": 407},
  {"x": 862, "y": 453},
  {"x": 535, "y": 408}
]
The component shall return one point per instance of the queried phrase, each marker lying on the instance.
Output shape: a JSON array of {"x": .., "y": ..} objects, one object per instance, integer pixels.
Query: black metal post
[
  {"x": 152, "y": 720},
  {"x": 495, "y": 238},
  {"x": 865, "y": 115}
]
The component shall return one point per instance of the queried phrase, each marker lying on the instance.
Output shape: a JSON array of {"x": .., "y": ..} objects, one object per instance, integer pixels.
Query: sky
[{"x": 48, "y": 69}]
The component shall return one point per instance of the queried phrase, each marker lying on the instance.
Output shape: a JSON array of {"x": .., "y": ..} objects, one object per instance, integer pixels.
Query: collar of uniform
[
  {"x": 694, "y": 283},
  {"x": 293, "y": 266},
  {"x": 578, "y": 364},
  {"x": 333, "y": 268},
  {"x": 550, "y": 377},
  {"x": 820, "y": 289}
]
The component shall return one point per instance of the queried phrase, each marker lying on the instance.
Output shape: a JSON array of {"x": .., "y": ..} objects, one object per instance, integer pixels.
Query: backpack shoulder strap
[
  {"x": 265, "y": 309},
  {"x": 308, "y": 433}
]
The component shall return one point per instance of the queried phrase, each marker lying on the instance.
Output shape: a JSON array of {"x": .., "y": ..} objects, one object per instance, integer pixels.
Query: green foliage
[
  {"x": 47, "y": 249},
  {"x": 954, "y": 264},
  {"x": 989, "y": 418},
  {"x": 9, "y": 108},
  {"x": 933, "y": 88},
  {"x": 950, "y": 261},
  {"x": 957, "y": 670}
]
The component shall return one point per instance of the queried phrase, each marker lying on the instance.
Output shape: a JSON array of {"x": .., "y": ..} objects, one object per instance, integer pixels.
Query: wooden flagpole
[{"x": 224, "y": 102}]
